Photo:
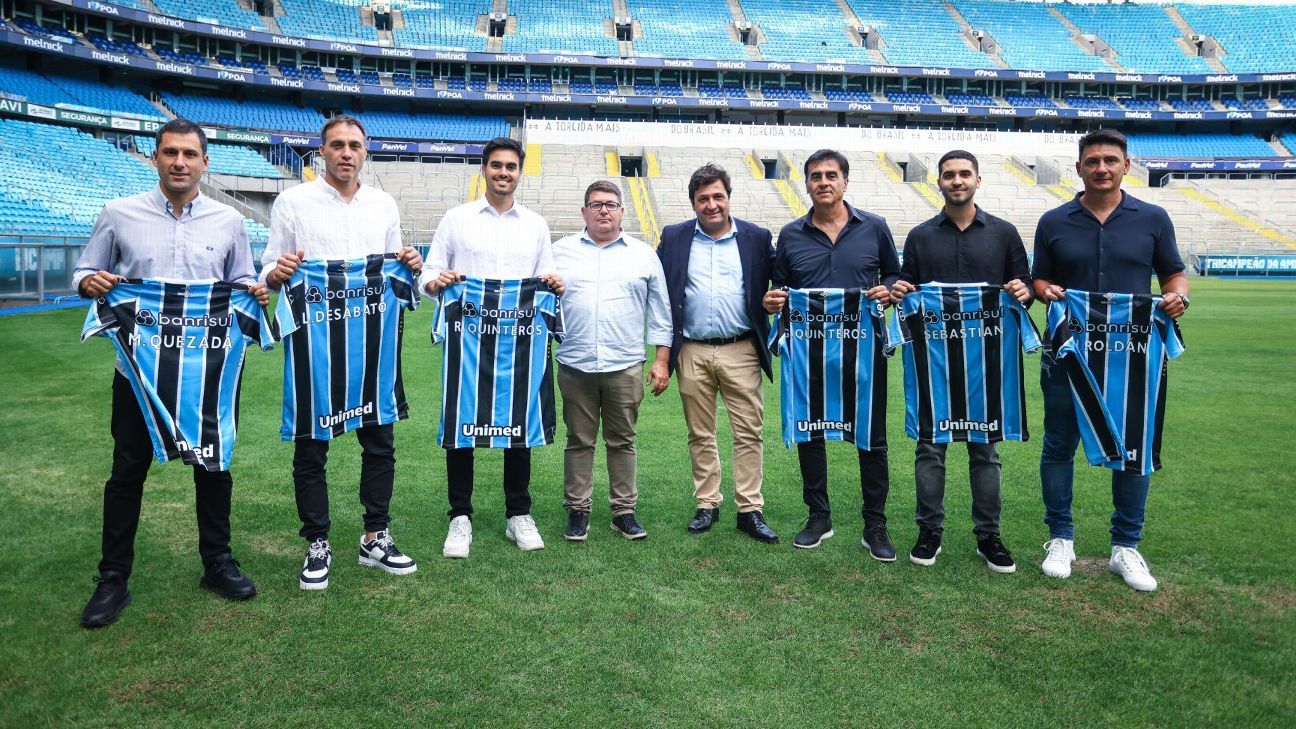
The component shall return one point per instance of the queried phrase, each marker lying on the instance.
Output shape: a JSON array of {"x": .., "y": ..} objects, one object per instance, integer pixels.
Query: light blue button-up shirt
[
  {"x": 138, "y": 237},
  {"x": 615, "y": 299},
  {"x": 714, "y": 303}
]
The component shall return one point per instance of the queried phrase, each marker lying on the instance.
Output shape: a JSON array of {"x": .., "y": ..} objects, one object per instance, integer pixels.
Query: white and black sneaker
[
  {"x": 314, "y": 573},
  {"x": 381, "y": 552}
]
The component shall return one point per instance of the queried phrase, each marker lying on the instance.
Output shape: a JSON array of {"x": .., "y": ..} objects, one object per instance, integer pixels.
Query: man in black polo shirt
[
  {"x": 837, "y": 246},
  {"x": 962, "y": 244},
  {"x": 1102, "y": 241}
]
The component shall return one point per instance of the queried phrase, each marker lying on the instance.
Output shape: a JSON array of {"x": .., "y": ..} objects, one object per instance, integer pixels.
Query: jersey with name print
[
  {"x": 182, "y": 347},
  {"x": 341, "y": 322},
  {"x": 1115, "y": 348},
  {"x": 831, "y": 344},
  {"x": 963, "y": 363},
  {"x": 496, "y": 376}
]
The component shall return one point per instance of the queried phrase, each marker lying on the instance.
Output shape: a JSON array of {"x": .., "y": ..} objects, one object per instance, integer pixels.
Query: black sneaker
[
  {"x": 315, "y": 572},
  {"x": 381, "y": 552},
  {"x": 996, "y": 555},
  {"x": 928, "y": 546},
  {"x": 628, "y": 526},
  {"x": 110, "y": 598},
  {"x": 818, "y": 528},
  {"x": 878, "y": 543},
  {"x": 224, "y": 578},
  {"x": 577, "y": 526}
]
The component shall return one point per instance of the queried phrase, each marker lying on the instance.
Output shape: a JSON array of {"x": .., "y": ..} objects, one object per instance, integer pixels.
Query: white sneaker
[
  {"x": 459, "y": 539},
  {"x": 523, "y": 531},
  {"x": 1129, "y": 564},
  {"x": 1061, "y": 553}
]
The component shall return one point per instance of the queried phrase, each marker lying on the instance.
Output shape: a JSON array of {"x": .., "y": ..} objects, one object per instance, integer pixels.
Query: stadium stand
[
  {"x": 1190, "y": 104},
  {"x": 774, "y": 91},
  {"x": 848, "y": 95},
  {"x": 803, "y": 30},
  {"x": 225, "y": 159},
  {"x": 1198, "y": 146},
  {"x": 427, "y": 126},
  {"x": 971, "y": 99},
  {"x": 110, "y": 45},
  {"x": 1254, "y": 37},
  {"x": 167, "y": 54},
  {"x": 1252, "y": 104},
  {"x": 60, "y": 190},
  {"x": 1090, "y": 102},
  {"x": 910, "y": 97},
  {"x": 338, "y": 19},
  {"x": 1288, "y": 140},
  {"x": 1143, "y": 36},
  {"x": 918, "y": 33},
  {"x": 449, "y": 24},
  {"x": 1029, "y": 36},
  {"x": 731, "y": 90},
  {"x": 1141, "y": 104},
  {"x": 53, "y": 90},
  {"x": 1029, "y": 100},
  {"x": 673, "y": 29},
  {"x": 221, "y": 12},
  {"x": 565, "y": 26},
  {"x": 266, "y": 115}
]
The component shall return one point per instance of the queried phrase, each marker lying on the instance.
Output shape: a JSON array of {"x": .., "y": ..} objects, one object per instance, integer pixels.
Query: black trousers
[
  {"x": 517, "y": 481},
  {"x": 124, "y": 490},
  {"x": 875, "y": 480},
  {"x": 377, "y": 473}
]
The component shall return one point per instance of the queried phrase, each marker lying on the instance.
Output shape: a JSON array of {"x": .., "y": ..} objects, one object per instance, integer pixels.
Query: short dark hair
[
  {"x": 503, "y": 143},
  {"x": 1104, "y": 136},
  {"x": 341, "y": 119},
  {"x": 708, "y": 174},
  {"x": 180, "y": 125},
  {"x": 958, "y": 154},
  {"x": 602, "y": 186},
  {"x": 827, "y": 154}
]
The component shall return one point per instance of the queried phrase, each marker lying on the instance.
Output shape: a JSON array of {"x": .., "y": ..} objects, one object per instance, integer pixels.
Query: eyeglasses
[{"x": 598, "y": 205}]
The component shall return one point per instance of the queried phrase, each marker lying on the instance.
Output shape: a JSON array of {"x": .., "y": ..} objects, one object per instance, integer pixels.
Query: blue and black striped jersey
[
  {"x": 832, "y": 374},
  {"x": 1115, "y": 348},
  {"x": 963, "y": 363},
  {"x": 496, "y": 374},
  {"x": 341, "y": 322},
  {"x": 182, "y": 345}
]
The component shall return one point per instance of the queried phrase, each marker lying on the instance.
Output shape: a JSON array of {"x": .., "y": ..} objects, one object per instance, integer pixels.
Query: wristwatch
[{"x": 1185, "y": 300}]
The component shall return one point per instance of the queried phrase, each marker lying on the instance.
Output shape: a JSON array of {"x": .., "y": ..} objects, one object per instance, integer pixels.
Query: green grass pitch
[{"x": 676, "y": 630}]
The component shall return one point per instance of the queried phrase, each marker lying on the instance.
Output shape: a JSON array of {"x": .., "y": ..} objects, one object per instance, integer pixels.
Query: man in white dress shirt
[
  {"x": 615, "y": 290},
  {"x": 500, "y": 238},
  {"x": 336, "y": 217}
]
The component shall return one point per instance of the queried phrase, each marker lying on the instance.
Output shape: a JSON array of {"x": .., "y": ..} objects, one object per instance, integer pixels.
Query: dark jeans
[
  {"x": 377, "y": 472},
  {"x": 124, "y": 491},
  {"x": 874, "y": 480},
  {"x": 984, "y": 473},
  {"x": 1057, "y": 467},
  {"x": 517, "y": 480}
]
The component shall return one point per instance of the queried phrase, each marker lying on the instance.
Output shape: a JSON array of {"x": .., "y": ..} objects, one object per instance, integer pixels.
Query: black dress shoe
[
  {"x": 110, "y": 598},
  {"x": 225, "y": 579},
  {"x": 878, "y": 543},
  {"x": 703, "y": 520},
  {"x": 753, "y": 524}
]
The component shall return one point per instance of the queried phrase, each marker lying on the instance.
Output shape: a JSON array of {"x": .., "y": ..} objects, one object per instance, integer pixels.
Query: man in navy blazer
[{"x": 717, "y": 271}]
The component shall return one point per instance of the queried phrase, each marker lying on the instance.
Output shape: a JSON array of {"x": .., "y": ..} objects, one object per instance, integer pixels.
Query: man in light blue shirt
[{"x": 615, "y": 289}]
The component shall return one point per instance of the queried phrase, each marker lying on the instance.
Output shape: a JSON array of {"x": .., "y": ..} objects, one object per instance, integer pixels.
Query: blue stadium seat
[
  {"x": 919, "y": 33},
  {"x": 448, "y": 24},
  {"x": 1029, "y": 36},
  {"x": 804, "y": 30},
  {"x": 971, "y": 99},
  {"x": 1026, "y": 100},
  {"x": 1143, "y": 36},
  {"x": 327, "y": 19},
  {"x": 220, "y": 12},
  {"x": 434, "y": 127},
  {"x": 1091, "y": 102},
  {"x": 848, "y": 95},
  {"x": 56, "y": 89},
  {"x": 675, "y": 29},
  {"x": 266, "y": 115},
  {"x": 561, "y": 26},
  {"x": 909, "y": 97},
  {"x": 1255, "y": 37},
  {"x": 1198, "y": 146}
]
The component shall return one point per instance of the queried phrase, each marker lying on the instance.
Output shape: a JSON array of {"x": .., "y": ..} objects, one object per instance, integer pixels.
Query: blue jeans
[{"x": 1057, "y": 467}]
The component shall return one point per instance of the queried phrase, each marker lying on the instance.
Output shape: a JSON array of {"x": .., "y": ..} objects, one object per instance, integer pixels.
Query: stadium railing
[{"x": 33, "y": 268}]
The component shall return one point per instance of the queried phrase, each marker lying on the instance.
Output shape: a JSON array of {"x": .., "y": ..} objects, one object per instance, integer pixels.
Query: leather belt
[{"x": 717, "y": 341}]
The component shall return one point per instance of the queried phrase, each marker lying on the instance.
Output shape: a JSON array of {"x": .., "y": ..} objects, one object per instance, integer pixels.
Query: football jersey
[
  {"x": 963, "y": 363},
  {"x": 496, "y": 374},
  {"x": 831, "y": 345},
  {"x": 1115, "y": 348},
  {"x": 341, "y": 322},
  {"x": 182, "y": 347}
]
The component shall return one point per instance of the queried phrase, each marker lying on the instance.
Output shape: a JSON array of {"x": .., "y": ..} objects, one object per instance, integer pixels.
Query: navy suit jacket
[{"x": 756, "y": 252}]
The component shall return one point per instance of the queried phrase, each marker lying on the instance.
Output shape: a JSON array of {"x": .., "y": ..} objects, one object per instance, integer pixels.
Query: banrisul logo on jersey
[
  {"x": 842, "y": 325},
  {"x": 982, "y": 323},
  {"x": 502, "y": 321}
]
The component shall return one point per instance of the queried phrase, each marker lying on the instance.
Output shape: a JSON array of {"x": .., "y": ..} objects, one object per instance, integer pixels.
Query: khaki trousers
[
  {"x": 614, "y": 398},
  {"x": 733, "y": 371}
]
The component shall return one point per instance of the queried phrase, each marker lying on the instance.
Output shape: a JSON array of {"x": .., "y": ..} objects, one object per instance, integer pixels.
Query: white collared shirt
[
  {"x": 313, "y": 217},
  {"x": 477, "y": 240},
  {"x": 613, "y": 293}
]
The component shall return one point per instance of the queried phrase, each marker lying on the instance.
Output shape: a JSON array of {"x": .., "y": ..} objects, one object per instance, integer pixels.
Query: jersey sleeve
[
  {"x": 1030, "y": 339},
  {"x": 552, "y": 313},
  {"x": 898, "y": 333},
  {"x": 101, "y": 319},
  {"x": 291, "y": 302},
  {"x": 881, "y": 328},
  {"x": 253, "y": 320},
  {"x": 403, "y": 283},
  {"x": 779, "y": 330},
  {"x": 1170, "y": 333},
  {"x": 440, "y": 322},
  {"x": 1056, "y": 331}
]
